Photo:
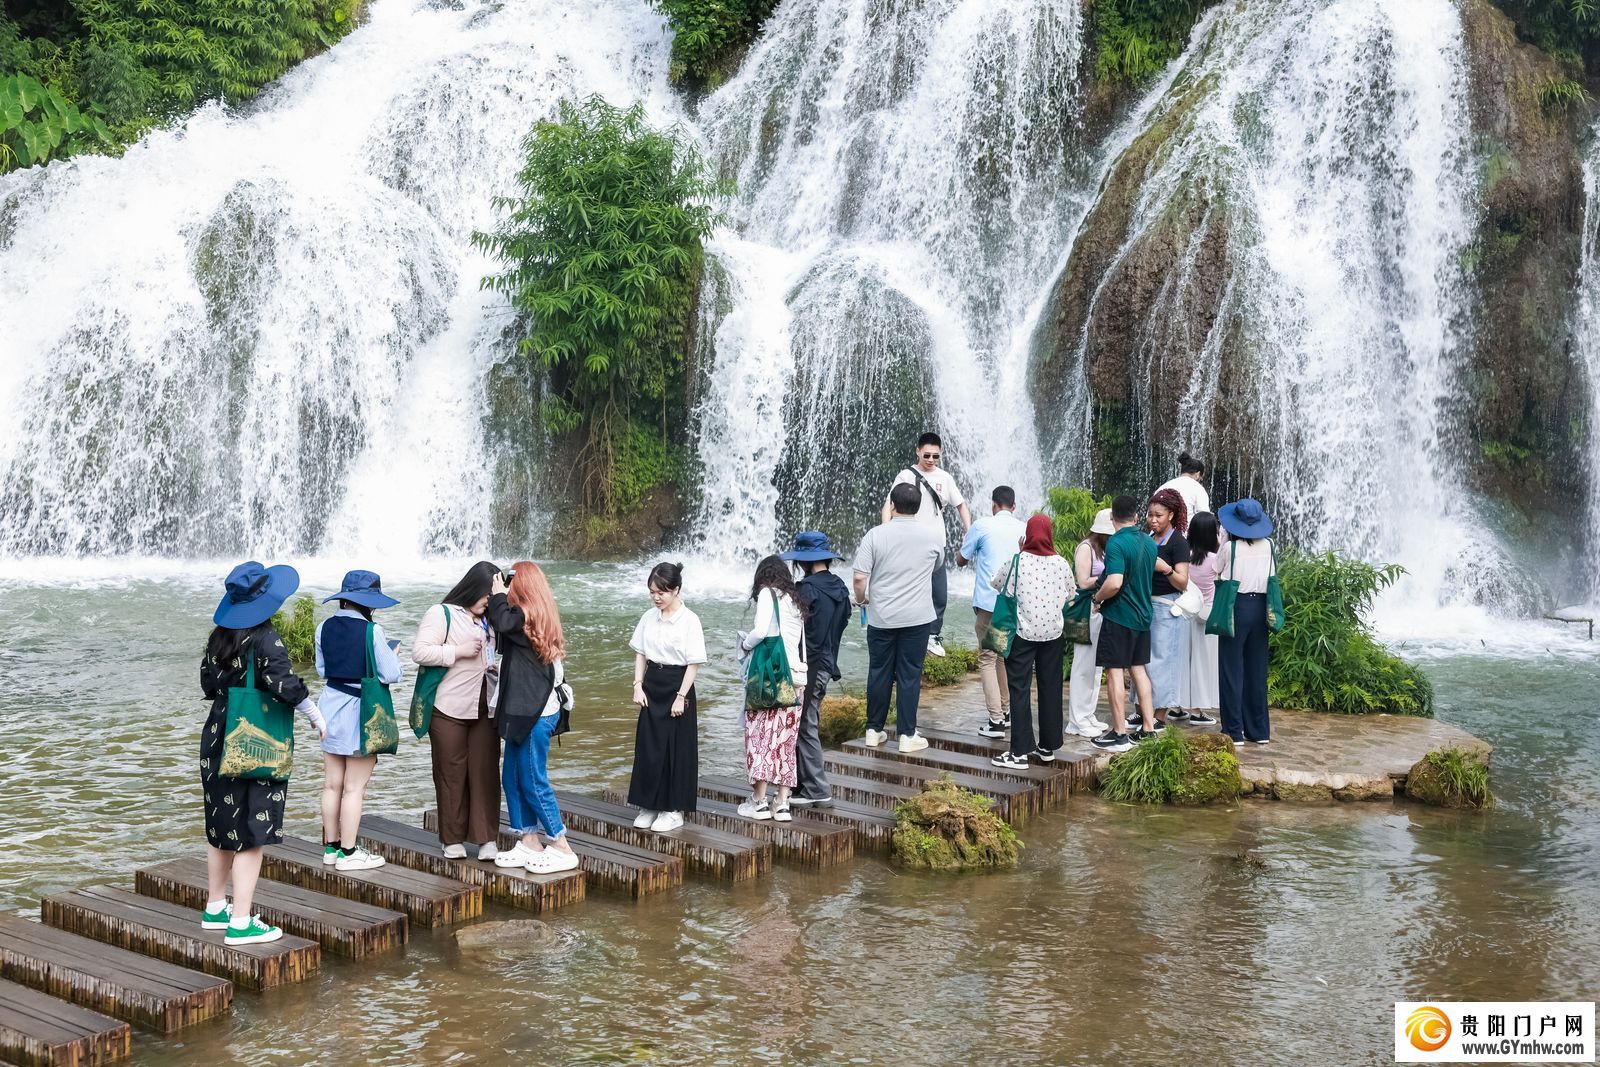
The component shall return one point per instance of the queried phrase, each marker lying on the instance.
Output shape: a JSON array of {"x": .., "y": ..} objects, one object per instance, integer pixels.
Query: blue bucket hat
[
  {"x": 364, "y": 588},
  {"x": 1245, "y": 518},
  {"x": 253, "y": 593},
  {"x": 809, "y": 546}
]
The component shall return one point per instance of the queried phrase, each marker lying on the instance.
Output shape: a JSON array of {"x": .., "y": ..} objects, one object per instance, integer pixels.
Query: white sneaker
[
  {"x": 667, "y": 820},
  {"x": 1091, "y": 731},
  {"x": 758, "y": 810},
  {"x": 645, "y": 817},
  {"x": 455, "y": 852},
  {"x": 913, "y": 742},
  {"x": 934, "y": 647},
  {"x": 554, "y": 861},
  {"x": 488, "y": 851},
  {"x": 782, "y": 814},
  {"x": 359, "y": 860},
  {"x": 518, "y": 855},
  {"x": 876, "y": 737}
]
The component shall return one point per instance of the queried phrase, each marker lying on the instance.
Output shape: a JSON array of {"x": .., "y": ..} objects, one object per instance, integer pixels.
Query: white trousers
[{"x": 1084, "y": 687}]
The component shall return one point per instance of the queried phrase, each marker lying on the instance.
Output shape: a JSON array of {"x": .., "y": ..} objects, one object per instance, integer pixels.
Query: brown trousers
[{"x": 466, "y": 778}]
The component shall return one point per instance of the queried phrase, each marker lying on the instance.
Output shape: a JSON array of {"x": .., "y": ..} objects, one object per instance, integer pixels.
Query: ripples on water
[{"x": 1244, "y": 935}]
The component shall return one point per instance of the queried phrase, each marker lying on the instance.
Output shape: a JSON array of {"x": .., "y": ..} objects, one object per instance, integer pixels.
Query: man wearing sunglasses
[{"x": 939, "y": 491}]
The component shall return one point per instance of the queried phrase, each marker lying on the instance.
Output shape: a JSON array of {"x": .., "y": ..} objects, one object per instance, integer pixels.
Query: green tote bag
[
  {"x": 768, "y": 681},
  {"x": 258, "y": 742},
  {"x": 1275, "y": 616},
  {"x": 1224, "y": 595},
  {"x": 427, "y": 687},
  {"x": 1003, "y": 621},
  {"x": 380, "y": 736},
  {"x": 1075, "y": 617}
]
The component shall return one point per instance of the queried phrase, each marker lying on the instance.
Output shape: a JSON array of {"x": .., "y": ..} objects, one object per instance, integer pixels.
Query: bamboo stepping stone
[
  {"x": 1053, "y": 781},
  {"x": 38, "y": 1030},
  {"x": 172, "y": 932},
  {"x": 804, "y": 841},
  {"x": 427, "y": 899},
  {"x": 866, "y": 792},
  {"x": 416, "y": 848},
  {"x": 608, "y": 866},
  {"x": 150, "y": 993},
  {"x": 347, "y": 927},
  {"x": 717, "y": 853},
  {"x": 872, "y": 827},
  {"x": 1013, "y": 801}
]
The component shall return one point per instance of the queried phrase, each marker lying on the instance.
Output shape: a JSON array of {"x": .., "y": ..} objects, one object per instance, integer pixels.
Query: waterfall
[
  {"x": 261, "y": 330},
  {"x": 1586, "y": 337},
  {"x": 906, "y": 181}
]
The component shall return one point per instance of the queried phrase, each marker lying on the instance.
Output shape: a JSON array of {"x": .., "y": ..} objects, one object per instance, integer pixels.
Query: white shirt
[
  {"x": 1044, "y": 585},
  {"x": 791, "y": 627},
  {"x": 1195, "y": 497},
  {"x": 940, "y": 482},
  {"x": 1251, "y": 568},
  {"x": 672, "y": 642}
]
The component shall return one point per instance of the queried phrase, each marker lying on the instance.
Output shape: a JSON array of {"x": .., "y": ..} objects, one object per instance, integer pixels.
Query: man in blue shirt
[{"x": 990, "y": 544}]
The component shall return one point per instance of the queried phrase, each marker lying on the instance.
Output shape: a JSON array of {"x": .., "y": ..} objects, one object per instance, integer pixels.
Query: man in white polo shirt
[{"x": 938, "y": 491}]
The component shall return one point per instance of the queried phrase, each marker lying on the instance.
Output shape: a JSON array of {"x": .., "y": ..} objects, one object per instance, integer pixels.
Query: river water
[{"x": 1261, "y": 933}]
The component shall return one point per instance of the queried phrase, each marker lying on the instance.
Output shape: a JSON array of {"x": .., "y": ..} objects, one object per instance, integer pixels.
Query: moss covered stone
[
  {"x": 1451, "y": 778},
  {"x": 842, "y": 718},
  {"x": 1175, "y": 768},
  {"x": 947, "y": 828}
]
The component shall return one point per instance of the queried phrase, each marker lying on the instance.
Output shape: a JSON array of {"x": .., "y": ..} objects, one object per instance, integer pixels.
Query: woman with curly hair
[{"x": 1168, "y": 518}]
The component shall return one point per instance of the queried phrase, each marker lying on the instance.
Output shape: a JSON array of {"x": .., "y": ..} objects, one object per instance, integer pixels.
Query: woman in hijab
[{"x": 1042, "y": 583}]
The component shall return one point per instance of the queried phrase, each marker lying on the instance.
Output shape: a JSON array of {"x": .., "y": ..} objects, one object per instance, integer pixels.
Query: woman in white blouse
[
  {"x": 770, "y": 733},
  {"x": 1247, "y": 558},
  {"x": 668, "y": 647},
  {"x": 1042, "y": 584}
]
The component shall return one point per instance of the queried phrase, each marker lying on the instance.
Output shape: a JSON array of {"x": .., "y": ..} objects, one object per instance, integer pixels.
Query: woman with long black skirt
[{"x": 668, "y": 647}]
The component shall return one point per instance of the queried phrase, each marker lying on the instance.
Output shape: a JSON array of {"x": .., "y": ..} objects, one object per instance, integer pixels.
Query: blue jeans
[
  {"x": 530, "y": 800},
  {"x": 894, "y": 661}
]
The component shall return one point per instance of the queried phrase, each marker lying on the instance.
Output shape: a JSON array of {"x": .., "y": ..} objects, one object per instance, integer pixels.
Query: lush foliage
[
  {"x": 1134, "y": 39},
  {"x": 1561, "y": 94},
  {"x": 1452, "y": 778},
  {"x": 947, "y": 828},
  {"x": 298, "y": 628},
  {"x": 1566, "y": 28},
  {"x": 1325, "y": 658},
  {"x": 37, "y": 124},
  {"x": 602, "y": 251},
  {"x": 1072, "y": 512},
  {"x": 843, "y": 717},
  {"x": 950, "y": 668},
  {"x": 1174, "y": 768},
  {"x": 705, "y": 33}
]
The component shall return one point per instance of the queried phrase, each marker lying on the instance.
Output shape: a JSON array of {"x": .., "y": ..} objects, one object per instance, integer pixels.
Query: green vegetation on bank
[
  {"x": 94, "y": 75},
  {"x": 602, "y": 254},
  {"x": 1174, "y": 768},
  {"x": 1451, "y": 778},
  {"x": 298, "y": 627},
  {"x": 1567, "y": 29},
  {"x": 1072, "y": 512},
  {"x": 947, "y": 828},
  {"x": 1134, "y": 39},
  {"x": 957, "y": 662},
  {"x": 708, "y": 36}
]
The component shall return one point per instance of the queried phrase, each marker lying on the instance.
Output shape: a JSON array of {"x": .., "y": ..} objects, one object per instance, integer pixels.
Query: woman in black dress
[
  {"x": 668, "y": 649},
  {"x": 244, "y": 815}
]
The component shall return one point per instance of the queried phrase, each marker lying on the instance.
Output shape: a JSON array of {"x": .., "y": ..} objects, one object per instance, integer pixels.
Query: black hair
[
  {"x": 665, "y": 577},
  {"x": 1004, "y": 495},
  {"x": 929, "y": 438},
  {"x": 773, "y": 573},
  {"x": 366, "y": 612},
  {"x": 813, "y": 566},
  {"x": 1124, "y": 509},
  {"x": 1203, "y": 539},
  {"x": 1187, "y": 464},
  {"x": 905, "y": 498},
  {"x": 225, "y": 642},
  {"x": 474, "y": 585}
]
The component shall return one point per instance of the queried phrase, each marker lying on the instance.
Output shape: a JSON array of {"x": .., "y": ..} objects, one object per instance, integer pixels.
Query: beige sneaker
[
  {"x": 876, "y": 737},
  {"x": 913, "y": 742}
]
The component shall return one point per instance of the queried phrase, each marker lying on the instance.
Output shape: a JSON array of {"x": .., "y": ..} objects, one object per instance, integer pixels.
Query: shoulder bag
[
  {"x": 427, "y": 687},
  {"x": 768, "y": 681},
  {"x": 1275, "y": 614},
  {"x": 258, "y": 741},
  {"x": 380, "y": 736},
  {"x": 1003, "y": 621},
  {"x": 1224, "y": 596}
]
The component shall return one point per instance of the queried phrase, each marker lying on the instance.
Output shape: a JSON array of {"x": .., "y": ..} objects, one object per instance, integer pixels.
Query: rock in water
[
  {"x": 1451, "y": 778},
  {"x": 510, "y": 933},
  {"x": 947, "y": 828}
]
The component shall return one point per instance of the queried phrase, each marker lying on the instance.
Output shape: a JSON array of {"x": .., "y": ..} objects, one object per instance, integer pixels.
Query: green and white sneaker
[
  {"x": 255, "y": 932},
  {"x": 330, "y": 855},
  {"x": 217, "y": 920}
]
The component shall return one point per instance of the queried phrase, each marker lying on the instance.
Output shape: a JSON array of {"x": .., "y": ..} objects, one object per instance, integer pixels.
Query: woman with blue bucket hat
[
  {"x": 346, "y": 645},
  {"x": 243, "y": 815},
  {"x": 1248, "y": 559}
]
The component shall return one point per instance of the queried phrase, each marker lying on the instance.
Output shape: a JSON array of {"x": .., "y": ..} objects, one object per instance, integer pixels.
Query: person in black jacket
[
  {"x": 825, "y": 599},
  {"x": 528, "y": 709}
]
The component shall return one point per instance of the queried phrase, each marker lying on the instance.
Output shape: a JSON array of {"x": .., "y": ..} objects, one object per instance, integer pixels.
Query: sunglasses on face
[{"x": 930, "y": 455}]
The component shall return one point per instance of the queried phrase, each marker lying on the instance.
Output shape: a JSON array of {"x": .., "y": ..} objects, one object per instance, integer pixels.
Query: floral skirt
[
  {"x": 241, "y": 813},
  {"x": 769, "y": 738}
]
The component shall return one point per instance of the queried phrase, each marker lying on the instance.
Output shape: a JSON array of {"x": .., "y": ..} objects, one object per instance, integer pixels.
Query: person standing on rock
[
  {"x": 1088, "y": 564},
  {"x": 1188, "y": 485},
  {"x": 825, "y": 600},
  {"x": 990, "y": 542},
  {"x": 1043, "y": 585},
  {"x": 668, "y": 648},
  {"x": 936, "y": 490},
  {"x": 892, "y": 571},
  {"x": 1242, "y": 659},
  {"x": 1125, "y": 605},
  {"x": 1203, "y": 688}
]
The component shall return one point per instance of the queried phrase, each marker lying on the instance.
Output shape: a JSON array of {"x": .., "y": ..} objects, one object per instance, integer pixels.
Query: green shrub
[
  {"x": 950, "y": 668},
  {"x": 298, "y": 628},
  {"x": 37, "y": 124},
  {"x": 947, "y": 828},
  {"x": 706, "y": 33},
  {"x": 1174, "y": 768},
  {"x": 1325, "y": 657},
  {"x": 843, "y": 718},
  {"x": 1134, "y": 39},
  {"x": 1568, "y": 29},
  {"x": 1072, "y": 512},
  {"x": 1560, "y": 94},
  {"x": 1451, "y": 778},
  {"x": 602, "y": 250}
]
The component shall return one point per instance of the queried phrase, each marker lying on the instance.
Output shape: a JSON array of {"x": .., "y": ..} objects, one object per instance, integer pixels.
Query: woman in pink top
[{"x": 1203, "y": 541}]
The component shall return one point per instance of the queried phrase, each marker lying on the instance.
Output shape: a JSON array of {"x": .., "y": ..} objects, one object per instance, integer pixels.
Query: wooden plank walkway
[
  {"x": 608, "y": 866},
  {"x": 1013, "y": 801},
  {"x": 427, "y": 899},
  {"x": 1053, "y": 782},
  {"x": 416, "y": 848},
  {"x": 1077, "y": 759},
  {"x": 150, "y": 993},
  {"x": 172, "y": 932},
  {"x": 38, "y": 1030},
  {"x": 717, "y": 853},
  {"x": 872, "y": 827},
  {"x": 347, "y": 927},
  {"x": 804, "y": 841}
]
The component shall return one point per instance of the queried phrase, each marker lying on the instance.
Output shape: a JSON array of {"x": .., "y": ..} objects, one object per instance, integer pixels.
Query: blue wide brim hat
[
  {"x": 364, "y": 588},
  {"x": 809, "y": 546},
  {"x": 253, "y": 593},
  {"x": 1245, "y": 518}
]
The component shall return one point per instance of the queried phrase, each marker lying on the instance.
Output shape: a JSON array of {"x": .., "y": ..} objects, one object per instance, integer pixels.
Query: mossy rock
[
  {"x": 1175, "y": 768},
  {"x": 947, "y": 828},
  {"x": 843, "y": 717},
  {"x": 1451, "y": 778},
  {"x": 950, "y": 668}
]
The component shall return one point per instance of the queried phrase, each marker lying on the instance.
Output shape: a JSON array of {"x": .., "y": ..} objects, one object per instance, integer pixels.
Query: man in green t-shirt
[{"x": 1126, "y": 608}]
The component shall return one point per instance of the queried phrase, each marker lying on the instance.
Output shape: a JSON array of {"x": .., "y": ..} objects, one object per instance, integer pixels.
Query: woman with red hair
[{"x": 528, "y": 709}]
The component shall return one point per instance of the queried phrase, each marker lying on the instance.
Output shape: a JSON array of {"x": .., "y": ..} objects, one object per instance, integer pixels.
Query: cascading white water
[
  {"x": 905, "y": 184},
  {"x": 1586, "y": 342},
  {"x": 262, "y": 330}
]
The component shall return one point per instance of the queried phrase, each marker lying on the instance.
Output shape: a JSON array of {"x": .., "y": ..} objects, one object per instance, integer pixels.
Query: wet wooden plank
[
  {"x": 146, "y": 992},
  {"x": 38, "y": 1030},
  {"x": 803, "y": 841},
  {"x": 1053, "y": 781},
  {"x": 427, "y": 899},
  {"x": 608, "y": 866},
  {"x": 1077, "y": 760},
  {"x": 873, "y": 827},
  {"x": 1014, "y": 801},
  {"x": 715, "y": 853},
  {"x": 347, "y": 927},
  {"x": 416, "y": 848},
  {"x": 172, "y": 932}
]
